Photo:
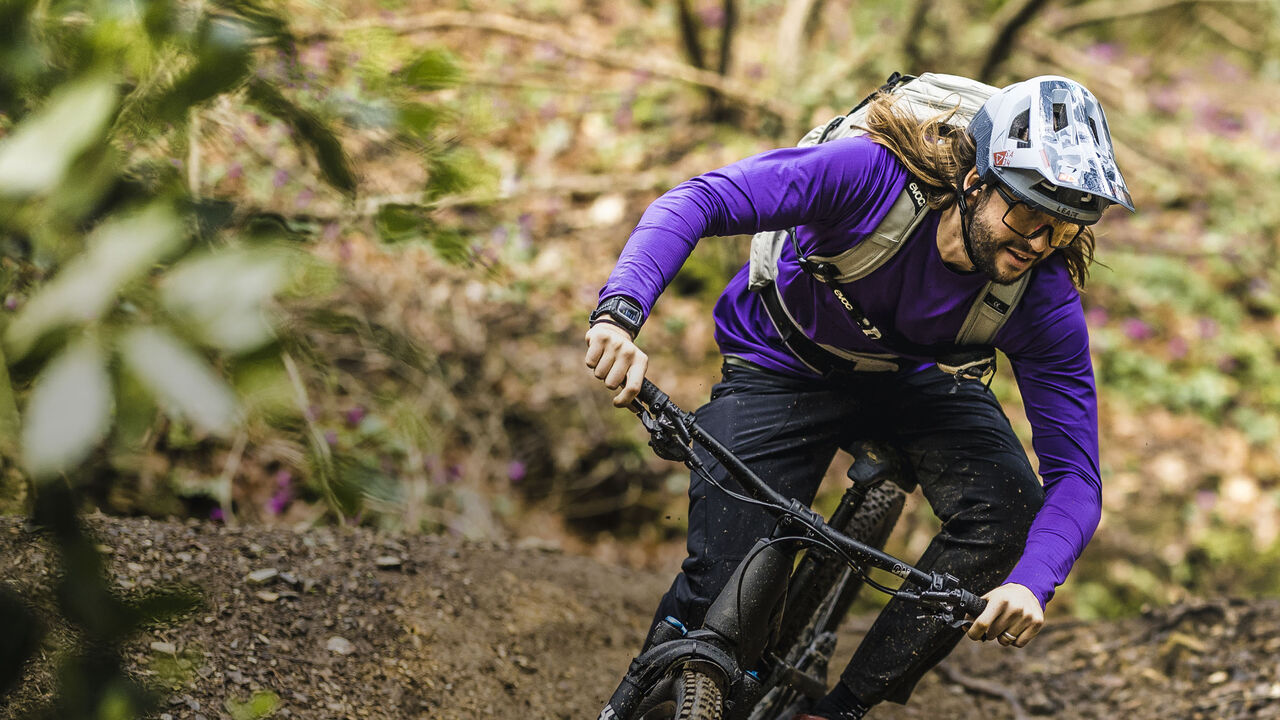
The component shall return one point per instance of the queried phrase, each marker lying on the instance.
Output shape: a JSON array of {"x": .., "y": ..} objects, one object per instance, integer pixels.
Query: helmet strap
[{"x": 966, "y": 218}]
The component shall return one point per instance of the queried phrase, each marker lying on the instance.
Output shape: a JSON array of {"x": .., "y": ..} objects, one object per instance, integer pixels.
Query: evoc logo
[
  {"x": 843, "y": 300},
  {"x": 607, "y": 713},
  {"x": 916, "y": 194}
]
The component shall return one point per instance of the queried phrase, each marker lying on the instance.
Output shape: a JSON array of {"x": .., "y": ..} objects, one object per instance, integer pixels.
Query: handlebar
[{"x": 672, "y": 432}]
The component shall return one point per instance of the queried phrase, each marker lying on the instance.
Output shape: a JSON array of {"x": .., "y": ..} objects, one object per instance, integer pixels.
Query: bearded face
[{"x": 996, "y": 251}]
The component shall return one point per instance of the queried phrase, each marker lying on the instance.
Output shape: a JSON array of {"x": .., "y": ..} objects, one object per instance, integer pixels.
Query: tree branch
[
  {"x": 793, "y": 31},
  {"x": 984, "y": 687},
  {"x": 1104, "y": 11},
  {"x": 1228, "y": 29},
  {"x": 1003, "y": 43},
  {"x": 689, "y": 35},
  {"x": 916, "y": 25},
  {"x": 727, "y": 35},
  {"x": 652, "y": 64}
]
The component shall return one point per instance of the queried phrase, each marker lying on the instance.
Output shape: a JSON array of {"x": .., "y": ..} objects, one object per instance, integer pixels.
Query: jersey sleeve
[
  {"x": 822, "y": 184},
  {"x": 1050, "y": 357}
]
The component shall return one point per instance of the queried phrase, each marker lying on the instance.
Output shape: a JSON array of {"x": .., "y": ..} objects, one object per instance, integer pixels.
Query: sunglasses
[{"x": 1030, "y": 223}]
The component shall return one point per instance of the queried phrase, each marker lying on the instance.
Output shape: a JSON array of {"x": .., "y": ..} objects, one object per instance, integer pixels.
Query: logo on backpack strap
[
  {"x": 996, "y": 303},
  {"x": 917, "y": 196}
]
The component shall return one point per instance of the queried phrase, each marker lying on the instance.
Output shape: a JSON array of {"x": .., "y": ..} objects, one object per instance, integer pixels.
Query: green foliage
[
  {"x": 261, "y": 705},
  {"x": 142, "y": 295}
]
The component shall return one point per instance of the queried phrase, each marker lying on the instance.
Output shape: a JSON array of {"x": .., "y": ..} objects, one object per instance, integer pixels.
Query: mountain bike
[{"x": 763, "y": 649}]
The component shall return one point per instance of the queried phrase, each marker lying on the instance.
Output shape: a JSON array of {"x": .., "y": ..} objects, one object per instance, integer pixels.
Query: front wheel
[{"x": 690, "y": 694}]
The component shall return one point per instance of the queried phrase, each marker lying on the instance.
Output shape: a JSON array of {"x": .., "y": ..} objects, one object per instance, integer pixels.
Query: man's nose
[{"x": 1040, "y": 243}]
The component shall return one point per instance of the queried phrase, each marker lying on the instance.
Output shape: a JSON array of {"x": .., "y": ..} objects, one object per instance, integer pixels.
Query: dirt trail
[{"x": 352, "y": 624}]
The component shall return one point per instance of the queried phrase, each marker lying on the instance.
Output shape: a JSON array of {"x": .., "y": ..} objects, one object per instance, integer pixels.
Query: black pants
[{"x": 967, "y": 460}]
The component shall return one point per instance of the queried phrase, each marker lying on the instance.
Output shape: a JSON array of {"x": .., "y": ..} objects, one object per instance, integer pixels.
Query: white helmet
[{"x": 1047, "y": 141}]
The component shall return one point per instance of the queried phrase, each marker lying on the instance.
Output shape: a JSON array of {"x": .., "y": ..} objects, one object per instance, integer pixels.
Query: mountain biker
[{"x": 1015, "y": 193}]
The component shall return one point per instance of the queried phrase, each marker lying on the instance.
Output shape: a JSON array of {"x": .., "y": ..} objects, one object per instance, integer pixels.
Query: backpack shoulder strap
[
  {"x": 906, "y": 214},
  {"x": 990, "y": 311}
]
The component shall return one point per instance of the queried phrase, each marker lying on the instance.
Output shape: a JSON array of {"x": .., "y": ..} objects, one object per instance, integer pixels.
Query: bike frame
[{"x": 735, "y": 632}]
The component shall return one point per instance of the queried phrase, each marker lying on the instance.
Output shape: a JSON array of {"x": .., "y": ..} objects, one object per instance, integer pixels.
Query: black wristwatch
[{"x": 622, "y": 311}]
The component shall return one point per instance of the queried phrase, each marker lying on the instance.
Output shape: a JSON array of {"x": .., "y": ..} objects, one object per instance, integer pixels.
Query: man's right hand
[{"x": 616, "y": 360}]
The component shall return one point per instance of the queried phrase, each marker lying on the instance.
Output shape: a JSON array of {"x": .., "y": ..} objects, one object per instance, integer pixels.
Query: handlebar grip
[
  {"x": 973, "y": 605},
  {"x": 650, "y": 394}
]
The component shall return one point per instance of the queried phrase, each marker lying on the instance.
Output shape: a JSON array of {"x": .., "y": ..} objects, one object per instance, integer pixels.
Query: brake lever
[
  {"x": 668, "y": 437},
  {"x": 946, "y": 603}
]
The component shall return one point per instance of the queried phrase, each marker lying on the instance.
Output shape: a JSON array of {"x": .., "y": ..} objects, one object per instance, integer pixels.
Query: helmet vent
[
  {"x": 1020, "y": 129},
  {"x": 1059, "y": 116}
]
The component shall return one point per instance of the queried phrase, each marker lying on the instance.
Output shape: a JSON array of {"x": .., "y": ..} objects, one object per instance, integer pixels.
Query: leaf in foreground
[
  {"x": 36, "y": 156},
  {"x": 69, "y": 411},
  {"x": 119, "y": 251},
  {"x": 180, "y": 379}
]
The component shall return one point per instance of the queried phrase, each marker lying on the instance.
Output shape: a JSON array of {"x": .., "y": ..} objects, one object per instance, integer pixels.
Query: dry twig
[
  {"x": 984, "y": 687},
  {"x": 1003, "y": 43},
  {"x": 1103, "y": 11},
  {"x": 580, "y": 48}
]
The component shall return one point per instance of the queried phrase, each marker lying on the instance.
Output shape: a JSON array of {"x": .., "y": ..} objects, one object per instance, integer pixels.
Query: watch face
[{"x": 628, "y": 312}]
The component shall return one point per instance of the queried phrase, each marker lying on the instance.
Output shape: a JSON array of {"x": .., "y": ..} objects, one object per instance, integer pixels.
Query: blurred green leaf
[
  {"x": 262, "y": 704},
  {"x": 397, "y": 223},
  {"x": 180, "y": 379},
  {"x": 222, "y": 63},
  {"x": 119, "y": 251},
  {"x": 420, "y": 119},
  {"x": 37, "y": 154},
  {"x": 10, "y": 423},
  {"x": 68, "y": 413},
  {"x": 432, "y": 70},
  {"x": 224, "y": 295},
  {"x": 333, "y": 160},
  {"x": 450, "y": 172}
]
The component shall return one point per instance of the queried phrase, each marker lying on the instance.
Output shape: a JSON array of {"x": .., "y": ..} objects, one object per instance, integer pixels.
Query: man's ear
[{"x": 972, "y": 179}]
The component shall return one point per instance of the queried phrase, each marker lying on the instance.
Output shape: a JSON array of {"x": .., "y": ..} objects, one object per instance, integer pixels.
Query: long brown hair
[{"x": 940, "y": 154}]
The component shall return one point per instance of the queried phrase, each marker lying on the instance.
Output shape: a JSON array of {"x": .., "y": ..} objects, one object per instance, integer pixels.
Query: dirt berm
[{"x": 340, "y": 623}]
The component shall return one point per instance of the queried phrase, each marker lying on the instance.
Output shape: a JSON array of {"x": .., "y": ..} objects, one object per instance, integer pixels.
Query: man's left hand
[{"x": 1013, "y": 616}]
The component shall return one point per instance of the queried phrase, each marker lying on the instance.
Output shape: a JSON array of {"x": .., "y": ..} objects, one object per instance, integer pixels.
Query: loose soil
[{"x": 348, "y": 623}]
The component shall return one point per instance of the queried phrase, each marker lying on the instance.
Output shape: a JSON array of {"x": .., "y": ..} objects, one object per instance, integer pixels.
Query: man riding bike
[{"x": 824, "y": 363}]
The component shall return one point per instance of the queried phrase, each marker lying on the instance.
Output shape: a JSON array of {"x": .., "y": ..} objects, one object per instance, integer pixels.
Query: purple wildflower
[
  {"x": 216, "y": 515},
  {"x": 305, "y": 196},
  {"x": 1206, "y": 499},
  {"x": 1208, "y": 328},
  {"x": 354, "y": 416},
  {"x": 11, "y": 302},
  {"x": 1178, "y": 347},
  {"x": 1104, "y": 52},
  {"x": 712, "y": 17},
  {"x": 331, "y": 438},
  {"x": 281, "y": 177},
  {"x": 235, "y": 171},
  {"x": 1096, "y": 317},
  {"x": 516, "y": 471},
  {"x": 1136, "y": 329}
]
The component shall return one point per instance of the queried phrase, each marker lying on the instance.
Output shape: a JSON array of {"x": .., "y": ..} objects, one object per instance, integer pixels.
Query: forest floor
[{"x": 348, "y": 623}]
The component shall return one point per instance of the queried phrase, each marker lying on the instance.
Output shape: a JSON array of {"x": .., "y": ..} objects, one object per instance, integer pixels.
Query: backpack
[{"x": 972, "y": 355}]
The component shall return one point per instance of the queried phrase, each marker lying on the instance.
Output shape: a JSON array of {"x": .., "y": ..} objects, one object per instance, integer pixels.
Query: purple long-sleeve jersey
[{"x": 834, "y": 194}]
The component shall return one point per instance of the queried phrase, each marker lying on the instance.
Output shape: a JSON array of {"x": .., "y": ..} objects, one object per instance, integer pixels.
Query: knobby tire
[{"x": 701, "y": 697}]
